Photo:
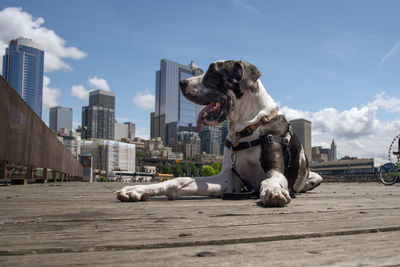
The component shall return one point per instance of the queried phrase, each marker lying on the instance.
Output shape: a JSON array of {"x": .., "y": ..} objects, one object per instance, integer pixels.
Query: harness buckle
[
  {"x": 264, "y": 120},
  {"x": 270, "y": 138},
  {"x": 233, "y": 159}
]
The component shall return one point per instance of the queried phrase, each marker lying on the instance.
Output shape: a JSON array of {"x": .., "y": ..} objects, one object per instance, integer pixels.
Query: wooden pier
[{"x": 83, "y": 224}]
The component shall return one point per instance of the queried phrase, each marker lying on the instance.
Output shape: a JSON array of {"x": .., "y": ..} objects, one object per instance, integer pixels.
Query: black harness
[
  {"x": 247, "y": 190},
  {"x": 265, "y": 139}
]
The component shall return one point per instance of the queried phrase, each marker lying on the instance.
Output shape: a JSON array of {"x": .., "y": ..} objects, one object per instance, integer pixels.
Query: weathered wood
[{"x": 338, "y": 223}]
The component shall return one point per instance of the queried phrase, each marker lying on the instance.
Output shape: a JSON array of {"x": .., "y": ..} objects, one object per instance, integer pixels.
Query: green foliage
[
  {"x": 102, "y": 179},
  {"x": 167, "y": 168},
  {"x": 207, "y": 170},
  {"x": 193, "y": 170},
  {"x": 177, "y": 170},
  {"x": 217, "y": 167},
  {"x": 140, "y": 154}
]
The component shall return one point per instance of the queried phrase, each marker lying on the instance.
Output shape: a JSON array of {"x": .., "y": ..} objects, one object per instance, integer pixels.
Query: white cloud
[
  {"x": 242, "y": 4},
  {"x": 98, "y": 83},
  {"x": 390, "y": 104},
  {"x": 14, "y": 22},
  {"x": 142, "y": 132},
  {"x": 50, "y": 95},
  {"x": 144, "y": 100},
  {"x": 80, "y": 92},
  {"x": 357, "y": 131},
  {"x": 390, "y": 53},
  {"x": 95, "y": 83}
]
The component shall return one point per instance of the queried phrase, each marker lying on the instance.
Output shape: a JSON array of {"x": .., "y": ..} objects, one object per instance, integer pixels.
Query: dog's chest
[{"x": 249, "y": 166}]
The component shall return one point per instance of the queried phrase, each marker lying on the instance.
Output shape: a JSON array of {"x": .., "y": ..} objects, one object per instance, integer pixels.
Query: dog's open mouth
[{"x": 209, "y": 115}]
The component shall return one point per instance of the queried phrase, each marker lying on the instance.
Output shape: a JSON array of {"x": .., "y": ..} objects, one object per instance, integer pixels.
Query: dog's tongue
[{"x": 203, "y": 115}]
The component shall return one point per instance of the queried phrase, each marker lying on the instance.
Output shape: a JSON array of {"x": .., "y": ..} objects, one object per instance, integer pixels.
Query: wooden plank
[{"x": 55, "y": 219}]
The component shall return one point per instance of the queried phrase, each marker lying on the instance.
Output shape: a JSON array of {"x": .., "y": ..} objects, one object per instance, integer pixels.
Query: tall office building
[
  {"x": 302, "y": 129},
  {"x": 23, "y": 65},
  {"x": 153, "y": 125},
  {"x": 60, "y": 117},
  {"x": 173, "y": 112},
  {"x": 98, "y": 118}
]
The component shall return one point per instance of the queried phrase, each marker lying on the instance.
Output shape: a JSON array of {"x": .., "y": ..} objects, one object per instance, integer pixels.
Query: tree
[
  {"x": 177, "y": 170},
  {"x": 207, "y": 170},
  {"x": 217, "y": 167},
  {"x": 167, "y": 168},
  {"x": 193, "y": 170},
  {"x": 140, "y": 154}
]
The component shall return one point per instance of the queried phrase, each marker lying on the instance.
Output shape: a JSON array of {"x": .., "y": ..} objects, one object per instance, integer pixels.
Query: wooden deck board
[{"x": 338, "y": 223}]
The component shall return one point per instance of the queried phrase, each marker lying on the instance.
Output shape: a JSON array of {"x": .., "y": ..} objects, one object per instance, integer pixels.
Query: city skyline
[{"x": 332, "y": 63}]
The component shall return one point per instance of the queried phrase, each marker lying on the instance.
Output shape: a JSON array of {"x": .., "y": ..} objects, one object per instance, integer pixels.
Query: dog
[{"x": 261, "y": 152}]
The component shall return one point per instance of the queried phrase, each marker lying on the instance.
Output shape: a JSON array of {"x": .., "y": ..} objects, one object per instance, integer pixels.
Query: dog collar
[{"x": 251, "y": 128}]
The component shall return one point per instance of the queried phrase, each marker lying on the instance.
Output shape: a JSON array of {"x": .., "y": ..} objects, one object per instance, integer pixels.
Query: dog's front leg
[
  {"x": 274, "y": 190},
  {"x": 183, "y": 186}
]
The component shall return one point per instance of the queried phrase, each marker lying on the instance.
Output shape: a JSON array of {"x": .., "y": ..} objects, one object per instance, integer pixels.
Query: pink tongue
[{"x": 202, "y": 115}]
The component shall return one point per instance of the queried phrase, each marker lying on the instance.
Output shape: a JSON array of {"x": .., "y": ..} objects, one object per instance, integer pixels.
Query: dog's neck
[{"x": 249, "y": 109}]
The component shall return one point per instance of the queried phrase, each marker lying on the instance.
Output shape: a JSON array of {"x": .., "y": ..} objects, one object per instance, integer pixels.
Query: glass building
[
  {"x": 60, "y": 117},
  {"x": 98, "y": 118},
  {"x": 173, "y": 112},
  {"x": 23, "y": 65}
]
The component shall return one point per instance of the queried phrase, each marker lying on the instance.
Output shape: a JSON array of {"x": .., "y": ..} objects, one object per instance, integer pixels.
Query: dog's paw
[
  {"x": 131, "y": 193},
  {"x": 274, "y": 196}
]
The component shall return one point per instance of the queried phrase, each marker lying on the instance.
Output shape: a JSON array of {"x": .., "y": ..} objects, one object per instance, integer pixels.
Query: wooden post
[
  {"x": 53, "y": 172},
  {"x": 3, "y": 170},
  {"x": 44, "y": 175},
  {"x": 28, "y": 174}
]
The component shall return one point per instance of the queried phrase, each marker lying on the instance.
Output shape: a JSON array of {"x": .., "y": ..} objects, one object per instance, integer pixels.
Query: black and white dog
[{"x": 261, "y": 152}]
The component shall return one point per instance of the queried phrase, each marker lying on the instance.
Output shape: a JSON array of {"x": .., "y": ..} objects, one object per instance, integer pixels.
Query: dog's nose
[{"x": 183, "y": 84}]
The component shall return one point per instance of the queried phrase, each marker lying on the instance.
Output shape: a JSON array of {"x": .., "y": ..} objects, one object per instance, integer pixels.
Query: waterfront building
[{"x": 109, "y": 155}]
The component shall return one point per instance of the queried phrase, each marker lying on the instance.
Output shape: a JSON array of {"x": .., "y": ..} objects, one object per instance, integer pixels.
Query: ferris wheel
[{"x": 394, "y": 148}]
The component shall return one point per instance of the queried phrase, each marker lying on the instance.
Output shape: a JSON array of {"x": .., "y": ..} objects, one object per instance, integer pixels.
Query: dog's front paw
[
  {"x": 274, "y": 196},
  {"x": 131, "y": 193}
]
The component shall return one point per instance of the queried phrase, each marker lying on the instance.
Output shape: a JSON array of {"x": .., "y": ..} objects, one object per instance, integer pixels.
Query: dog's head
[{"x": 217, "y": 89}]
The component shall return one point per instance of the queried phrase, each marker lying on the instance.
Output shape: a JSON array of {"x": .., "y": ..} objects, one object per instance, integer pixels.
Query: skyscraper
[
  {"x": 173, "y": 111},
  {"x": 23, "y": 65},
  {"x": 99, "y": 117},
  {"x": 60, "y": 117},
  {"x": 302, "y": 129}
]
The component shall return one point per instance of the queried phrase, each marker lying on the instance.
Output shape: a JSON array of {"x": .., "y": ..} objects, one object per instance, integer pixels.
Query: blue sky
[{"x": 335, "y": 63}]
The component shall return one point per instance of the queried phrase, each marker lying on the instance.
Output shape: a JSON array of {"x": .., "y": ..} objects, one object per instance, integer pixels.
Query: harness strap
[{"x": 265, "y": 139}]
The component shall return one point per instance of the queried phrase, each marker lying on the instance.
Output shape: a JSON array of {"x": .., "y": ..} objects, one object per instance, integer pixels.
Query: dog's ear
[{"x": 248, "y": 74}]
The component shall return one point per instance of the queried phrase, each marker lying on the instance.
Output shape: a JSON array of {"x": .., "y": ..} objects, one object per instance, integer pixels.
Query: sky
[{"x": 335, "y": 63}]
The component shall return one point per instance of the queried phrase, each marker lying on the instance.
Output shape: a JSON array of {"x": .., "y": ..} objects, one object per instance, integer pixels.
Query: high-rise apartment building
[
  {"x": 302, "y": 129},
  {"x": 60, "y": 117},
  {"x": 210, "y": 137},
  {"x": 98, "y": 118},
  {"x": 23, "y": 65},
  {"x": 173, "y": 111}
]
